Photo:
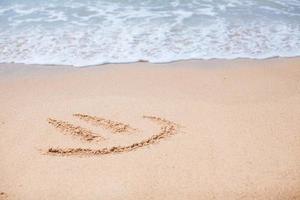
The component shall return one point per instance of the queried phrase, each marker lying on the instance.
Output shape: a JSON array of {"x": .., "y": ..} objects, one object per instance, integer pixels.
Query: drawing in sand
[{"x": 167, "y": 128}]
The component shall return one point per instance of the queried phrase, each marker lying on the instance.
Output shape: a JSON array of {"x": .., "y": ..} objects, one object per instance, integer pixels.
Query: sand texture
[{"x": 194, "y": 130}]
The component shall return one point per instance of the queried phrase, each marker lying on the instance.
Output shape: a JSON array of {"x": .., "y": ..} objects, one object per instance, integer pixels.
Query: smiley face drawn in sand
[{"x": 167, "y": 129}]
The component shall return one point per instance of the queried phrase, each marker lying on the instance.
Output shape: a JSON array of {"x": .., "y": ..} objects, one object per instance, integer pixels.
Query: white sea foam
[{"x": 80, "y": 33}]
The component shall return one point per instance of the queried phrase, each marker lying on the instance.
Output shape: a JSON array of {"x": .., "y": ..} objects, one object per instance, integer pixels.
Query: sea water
[{"x": 89, "y": 32}]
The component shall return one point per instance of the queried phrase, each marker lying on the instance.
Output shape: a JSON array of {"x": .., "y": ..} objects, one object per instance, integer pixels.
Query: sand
[{"x": 215, "y": 129}]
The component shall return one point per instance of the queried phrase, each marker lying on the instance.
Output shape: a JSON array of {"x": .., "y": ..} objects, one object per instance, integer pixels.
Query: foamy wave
[{"x": 78, "y": 33}]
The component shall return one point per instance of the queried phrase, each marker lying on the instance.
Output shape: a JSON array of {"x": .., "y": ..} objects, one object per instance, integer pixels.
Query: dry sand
[{"x": 185, "y": 130}]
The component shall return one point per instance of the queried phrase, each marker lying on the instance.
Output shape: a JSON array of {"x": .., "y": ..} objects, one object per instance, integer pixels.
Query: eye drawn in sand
[
  {"x": 68, "y": 128},
  {"x": 115, "y": 127},
  {"x": 167, "y": 129}
]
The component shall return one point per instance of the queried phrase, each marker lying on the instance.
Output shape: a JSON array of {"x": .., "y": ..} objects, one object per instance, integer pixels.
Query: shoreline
[
  {"x": 12, "y": 69},
  {"x": 238, "y": 137},
  {"x": 156, "y": 63}
]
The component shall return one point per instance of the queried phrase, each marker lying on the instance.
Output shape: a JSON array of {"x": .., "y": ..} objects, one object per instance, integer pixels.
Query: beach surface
[{"x": 215, "y": 129}]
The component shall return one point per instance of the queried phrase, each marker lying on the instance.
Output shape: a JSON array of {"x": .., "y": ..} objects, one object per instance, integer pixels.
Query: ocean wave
[{"x": 80, "y": 33}]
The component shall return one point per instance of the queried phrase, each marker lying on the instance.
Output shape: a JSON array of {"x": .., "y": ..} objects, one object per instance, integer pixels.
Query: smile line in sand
[{"x": 167, "y": 129}]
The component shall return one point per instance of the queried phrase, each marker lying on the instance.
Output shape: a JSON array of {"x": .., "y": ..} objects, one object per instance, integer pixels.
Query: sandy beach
[{"x": 215, "y": 129}]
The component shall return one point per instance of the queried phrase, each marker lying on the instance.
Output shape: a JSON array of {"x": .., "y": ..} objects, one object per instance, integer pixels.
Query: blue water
[{"x": 88, "y": 32}]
